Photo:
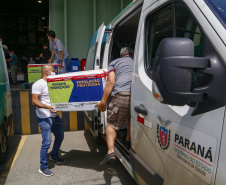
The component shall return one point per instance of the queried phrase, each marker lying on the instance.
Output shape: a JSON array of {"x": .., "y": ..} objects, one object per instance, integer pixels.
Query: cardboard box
[
  {"x": 20, "y": 77},
  {"x": 35, "y": 73},
  {"x": 77, "y": 91}
]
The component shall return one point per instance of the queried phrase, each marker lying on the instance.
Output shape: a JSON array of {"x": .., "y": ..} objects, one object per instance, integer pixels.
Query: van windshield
[{"x": 219, "y": 8}]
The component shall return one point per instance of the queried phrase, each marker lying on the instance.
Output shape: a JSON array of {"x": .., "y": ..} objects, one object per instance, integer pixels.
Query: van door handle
[{"x": 140, "y": 110}]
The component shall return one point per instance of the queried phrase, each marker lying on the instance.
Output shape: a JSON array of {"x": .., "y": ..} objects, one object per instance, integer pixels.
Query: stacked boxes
[
  {"x": 35, "y": 72},
  {"x": 77, "y": 91}
]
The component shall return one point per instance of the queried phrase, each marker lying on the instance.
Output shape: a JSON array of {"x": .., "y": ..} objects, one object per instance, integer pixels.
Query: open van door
[
  {"x": 93, "y": 57},
  {"x": 93, "y": 62}
]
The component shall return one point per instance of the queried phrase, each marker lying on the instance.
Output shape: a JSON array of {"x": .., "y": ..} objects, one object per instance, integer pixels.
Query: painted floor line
[{"x": 21, "y": 144}]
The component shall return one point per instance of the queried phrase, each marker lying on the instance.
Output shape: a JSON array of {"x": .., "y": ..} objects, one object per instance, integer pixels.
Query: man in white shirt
[{"x": 48, "y": 121}]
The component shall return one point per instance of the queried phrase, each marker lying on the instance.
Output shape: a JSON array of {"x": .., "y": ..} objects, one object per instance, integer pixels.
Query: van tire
[{"x": 3, "y": 144}]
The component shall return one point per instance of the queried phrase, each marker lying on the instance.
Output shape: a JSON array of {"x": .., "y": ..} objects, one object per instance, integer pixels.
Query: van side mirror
[{"x": 173, "y": 68}]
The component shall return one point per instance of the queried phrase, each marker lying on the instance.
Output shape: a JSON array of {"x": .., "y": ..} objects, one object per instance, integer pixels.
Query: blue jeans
[
  {"x": 54, "y": 124},
  {"x": 64, "y": 63}
]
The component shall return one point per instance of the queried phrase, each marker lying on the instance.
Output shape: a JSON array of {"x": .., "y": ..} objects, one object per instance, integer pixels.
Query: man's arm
[
  {"x": 41, "y": 55},
  {"x": 62, "y": 57},
  {"x": 36, "y": 102},
  {"x": 51, "y": 58},
  {"x": 107, "y": 91},
  {"x": 9, "y": 60}
]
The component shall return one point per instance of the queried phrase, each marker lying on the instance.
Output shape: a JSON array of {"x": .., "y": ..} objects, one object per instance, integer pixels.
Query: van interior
[{"x": 125, "y": 34}]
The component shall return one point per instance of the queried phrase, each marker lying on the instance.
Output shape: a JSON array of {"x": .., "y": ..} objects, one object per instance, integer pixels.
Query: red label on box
[
  {"x": 40, "y": 65},
  {"x": 81, "y": 77}
]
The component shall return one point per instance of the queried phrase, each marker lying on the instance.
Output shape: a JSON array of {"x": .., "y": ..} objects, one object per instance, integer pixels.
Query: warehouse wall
[
  {"x": 25, "y": 120},
  {"x": 75, "y": 21}
]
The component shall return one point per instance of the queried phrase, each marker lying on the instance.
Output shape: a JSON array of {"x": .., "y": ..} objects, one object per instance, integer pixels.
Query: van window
[
  {"x": 91, "y": 57},
  {"x": 163, "y": 24},
  {"x": 160, "y": 26},
  {"x": 187, "y": 27},
  {"x": 2, "y": 67}
]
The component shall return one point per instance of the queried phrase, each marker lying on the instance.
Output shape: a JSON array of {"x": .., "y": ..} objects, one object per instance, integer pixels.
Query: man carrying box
[
  {"x": 119, "y": 87},
  {"x": 48, "y": 121}
]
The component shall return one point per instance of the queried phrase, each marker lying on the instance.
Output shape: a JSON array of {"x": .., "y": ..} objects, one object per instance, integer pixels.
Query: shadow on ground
[
  {"x": 91, "y": 160},
  {"x": 13, "y": 143}
]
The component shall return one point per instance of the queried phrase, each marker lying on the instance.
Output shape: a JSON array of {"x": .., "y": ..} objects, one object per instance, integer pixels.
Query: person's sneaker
[
  {"x": 58, "y": 159},
  {"x": 46, "y": 172},
  {"x": 109, "y": 158}
]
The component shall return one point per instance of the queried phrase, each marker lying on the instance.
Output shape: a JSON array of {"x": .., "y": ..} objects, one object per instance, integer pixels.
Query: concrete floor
[{"x": 82, "y": 157}]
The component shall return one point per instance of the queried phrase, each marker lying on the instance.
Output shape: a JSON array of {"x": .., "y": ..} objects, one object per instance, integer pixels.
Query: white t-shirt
[{"x": 40, "y": 87}]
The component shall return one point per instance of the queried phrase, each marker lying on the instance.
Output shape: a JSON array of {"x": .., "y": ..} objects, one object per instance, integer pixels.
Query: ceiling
[{"x": 24, "y": 7}]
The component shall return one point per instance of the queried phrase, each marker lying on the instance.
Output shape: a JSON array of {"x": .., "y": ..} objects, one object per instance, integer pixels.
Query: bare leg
[
  {"x": 111, "y": 136},
  {"x": 128, "y": 130}
]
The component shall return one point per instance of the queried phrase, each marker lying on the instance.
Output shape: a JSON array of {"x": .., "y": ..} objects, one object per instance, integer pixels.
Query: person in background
[
  {"x": 13, "y": 61},
  {"x": 119, "y": 87},
  {"x": 31, "y": 61},
  {"x": 58, "y": 50},
  {"x": 45, "y": 54},
  {"x": 48, "y": 120}
]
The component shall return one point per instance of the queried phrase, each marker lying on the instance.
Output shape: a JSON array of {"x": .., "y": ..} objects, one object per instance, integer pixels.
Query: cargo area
[{"x": 125, "y": 34}]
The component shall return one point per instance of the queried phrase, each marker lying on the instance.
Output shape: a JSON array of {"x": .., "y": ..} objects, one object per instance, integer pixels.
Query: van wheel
[{"x": 3, "y": 144}]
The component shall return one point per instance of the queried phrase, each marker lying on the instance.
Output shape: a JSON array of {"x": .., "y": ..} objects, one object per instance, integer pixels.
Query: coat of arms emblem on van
[{"x": 163, "y": 134}]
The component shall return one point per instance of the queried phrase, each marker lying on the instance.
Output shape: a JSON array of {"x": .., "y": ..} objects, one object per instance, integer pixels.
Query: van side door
[
  {"x": 94, "y": 52},
  {"x": 93, "y": 62},
  {"x": 180, "y": 147}
]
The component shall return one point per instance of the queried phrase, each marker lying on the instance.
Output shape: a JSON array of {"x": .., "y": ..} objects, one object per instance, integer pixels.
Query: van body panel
[
  {"x": 5, "y": 99},
  {"x": 144, "y": 147},
  {"x": 220, "y": 175},
  {"x": 8, "y": 93},
  {"x": 3, "y": 105},
  {"x": 145, "y": 130}
]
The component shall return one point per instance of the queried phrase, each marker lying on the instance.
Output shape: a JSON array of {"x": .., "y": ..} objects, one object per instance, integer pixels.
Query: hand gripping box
[
  {"x": 35, "y": 71},
  {"x": 77, "y": 91}
]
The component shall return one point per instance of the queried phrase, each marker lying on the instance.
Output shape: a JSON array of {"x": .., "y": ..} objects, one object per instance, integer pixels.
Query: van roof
[{"x": 130, "y": 8}]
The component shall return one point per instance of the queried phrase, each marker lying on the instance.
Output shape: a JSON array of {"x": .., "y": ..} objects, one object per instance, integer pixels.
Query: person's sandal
[{"x": 109, "y": 158}]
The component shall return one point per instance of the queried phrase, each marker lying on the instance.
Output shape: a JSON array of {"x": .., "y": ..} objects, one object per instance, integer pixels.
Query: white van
[{"x": 178, "y": 90}]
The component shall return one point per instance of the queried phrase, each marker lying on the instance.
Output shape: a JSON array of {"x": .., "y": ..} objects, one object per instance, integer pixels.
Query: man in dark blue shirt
[{"x": 13, "y": 61}]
